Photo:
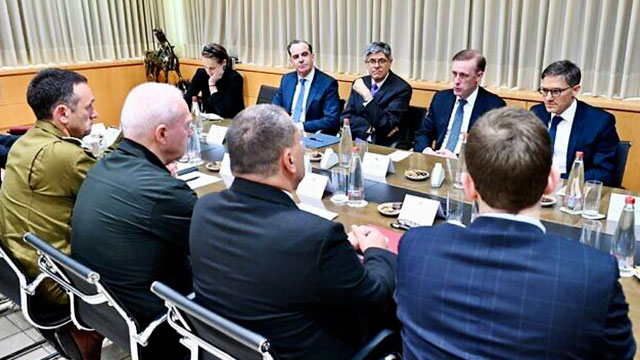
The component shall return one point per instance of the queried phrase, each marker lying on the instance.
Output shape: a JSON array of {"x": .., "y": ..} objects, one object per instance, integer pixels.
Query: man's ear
[
  {"x": 552, "y": 180},
  {"x": 469, "y": 186},
  {"x": 160, "y": 134},
  {"x": 61, "y": 113}
]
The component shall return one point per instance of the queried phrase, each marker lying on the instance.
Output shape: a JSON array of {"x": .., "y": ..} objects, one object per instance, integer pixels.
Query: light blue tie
[
  {"x": 457, "y": 126},
  {"x": 298, "y": 110}
]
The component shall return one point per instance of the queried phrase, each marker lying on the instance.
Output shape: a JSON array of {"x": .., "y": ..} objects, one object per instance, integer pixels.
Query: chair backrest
[
  {"x": 93, "y": 306},
  {"x": 266, "y": 94},
  {"x": 218, "y": 336},
  {"x": 621, "y": 162},
  {"x": 341, "y": 103},
  {"x": 14, "y": 282},
  {"x": 411, "y": 121}
]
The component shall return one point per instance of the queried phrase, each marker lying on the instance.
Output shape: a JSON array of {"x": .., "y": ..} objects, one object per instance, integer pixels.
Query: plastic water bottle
[
  {"x": 355, "y": 191},
  {"x": 346, "y": 145},
  {"x": 193, "y": 146},
  {"x": 196, "y": 117},
  {"x": 462, "y": 165},
  {"x": 624, "y": 239},
  {"x": 573, "y": 193}
]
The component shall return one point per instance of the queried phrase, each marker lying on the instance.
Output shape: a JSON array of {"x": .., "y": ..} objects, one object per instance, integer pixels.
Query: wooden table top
[{"x": 397, "y": 184}]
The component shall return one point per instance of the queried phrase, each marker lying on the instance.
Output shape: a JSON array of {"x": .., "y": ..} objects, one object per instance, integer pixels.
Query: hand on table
[
  {"x": 445, "y": 153},
  {"x": 363, "y": 90},
  {"x": 364, "y": 237}
]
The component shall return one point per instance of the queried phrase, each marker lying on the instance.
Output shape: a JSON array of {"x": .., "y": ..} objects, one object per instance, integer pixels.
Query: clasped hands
[{"x": 364, "y": 237}]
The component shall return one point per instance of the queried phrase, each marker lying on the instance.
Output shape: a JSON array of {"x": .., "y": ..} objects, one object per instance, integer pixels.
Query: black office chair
[
  {"x": 621, "y": 162},
  {"x": 341, "y": 103},
  {"x": 266, "y": 94},
  {"x": 220, "y": 338},
  {"x": 411, "y": 122},
  {"x": 93, "y": 305},
  {"x": 17, "y": 287}
]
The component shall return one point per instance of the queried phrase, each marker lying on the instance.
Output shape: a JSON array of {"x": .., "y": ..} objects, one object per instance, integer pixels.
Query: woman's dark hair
[{"x": 218, "y": 52}]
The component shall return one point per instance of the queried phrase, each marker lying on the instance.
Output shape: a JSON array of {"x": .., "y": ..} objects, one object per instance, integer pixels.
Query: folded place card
[
  {"x": 616, "y": 204},
  {"x": 111, "y": 135},
  {"x": 399, "y": 155},
  {"x": 419, "y": 210},
  {"x": 98, "y": 129},
  {"x": 375, "y": 166},
  {"x": 329, "y": 159},
  {"x": 329, "y": 215},
  {"x": 225, "y": 170},
  {"x": 313, "y": 185},
  {"x": 216, "y": 134},
  {"x": 197, "y": 179}
]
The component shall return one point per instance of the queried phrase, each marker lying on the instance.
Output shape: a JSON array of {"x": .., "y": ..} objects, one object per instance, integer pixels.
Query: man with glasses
[
  {"x": 307, "y": 94},
  {"x": 378, "y": 101},
  {"x": 575, "y": 125},
  {"x": 453, "y": 112}
]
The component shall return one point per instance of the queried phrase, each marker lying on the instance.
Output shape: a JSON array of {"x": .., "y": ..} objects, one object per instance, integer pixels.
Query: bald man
[{"x": 131, "y": 202}]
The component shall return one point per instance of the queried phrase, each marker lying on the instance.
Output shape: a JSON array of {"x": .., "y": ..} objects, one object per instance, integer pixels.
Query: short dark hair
[
  {"x": 297, "y": 41},
  {"x": 468, "y": 54},
  {"x": 508, "y": 156},
  {"x": 256, "y": 138},
  {"x": 569, "y": 72},
  {"x": 216, "y": 51},
  {"x": 50, "y": 88}
]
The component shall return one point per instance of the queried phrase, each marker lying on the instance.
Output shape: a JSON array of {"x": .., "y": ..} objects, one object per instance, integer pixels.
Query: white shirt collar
[
  {"x": 383, "y": 80},
  {"x": 516, "y": 217},
  {"x": 309, "y": 76},
  {"x": 471, "y": 99},
  {"x": 568, "y": 114}
]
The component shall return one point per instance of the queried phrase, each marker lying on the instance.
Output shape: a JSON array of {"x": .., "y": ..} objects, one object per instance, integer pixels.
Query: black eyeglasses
[
  {"x": 374, "y": 62},
  {"x": 554, "y": 92}
]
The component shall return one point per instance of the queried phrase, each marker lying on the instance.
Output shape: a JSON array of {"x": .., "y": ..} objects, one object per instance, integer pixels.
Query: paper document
[{"x": 197, "y": 179}]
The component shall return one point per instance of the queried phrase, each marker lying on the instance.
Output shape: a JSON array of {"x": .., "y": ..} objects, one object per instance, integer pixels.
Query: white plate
[
  {"x": 214, "y": 165},
  {"x": 549, "y": 203},
  {"x": 410, "y": 176},
  {"x": 383, "y": 208}
]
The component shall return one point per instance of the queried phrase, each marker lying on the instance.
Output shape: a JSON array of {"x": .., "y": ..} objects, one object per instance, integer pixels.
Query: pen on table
[{"x": 193, "y": 178}]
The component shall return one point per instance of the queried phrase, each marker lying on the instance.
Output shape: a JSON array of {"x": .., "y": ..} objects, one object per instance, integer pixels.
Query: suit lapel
[
  {"x": 478, "y": 107},
  {"x": 290, "y": 89},
  {"x": 315, "y": 84},
  {"x": 579, "y": 122}
]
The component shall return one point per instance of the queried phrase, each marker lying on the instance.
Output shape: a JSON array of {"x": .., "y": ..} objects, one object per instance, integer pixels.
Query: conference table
[{"x": 397, "y": 186}]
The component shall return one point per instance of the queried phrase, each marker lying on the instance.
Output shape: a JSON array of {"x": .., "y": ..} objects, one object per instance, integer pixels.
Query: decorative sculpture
[{"x": 163, "y": 59}]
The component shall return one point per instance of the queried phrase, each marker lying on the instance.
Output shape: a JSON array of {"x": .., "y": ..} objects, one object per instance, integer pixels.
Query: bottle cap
[
  {"x": 579, "y": 154},
  {"x": 355, "y": 149},
  {"x": 346, "y": 121},
  {"x": 630, "y": 200}
]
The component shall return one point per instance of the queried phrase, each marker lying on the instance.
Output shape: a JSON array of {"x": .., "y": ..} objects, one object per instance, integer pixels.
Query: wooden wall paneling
[{"x": 627, "y": 125}]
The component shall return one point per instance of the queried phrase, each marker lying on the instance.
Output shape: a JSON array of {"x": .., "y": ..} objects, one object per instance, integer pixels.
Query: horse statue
[{"x": 163, "y": 59}]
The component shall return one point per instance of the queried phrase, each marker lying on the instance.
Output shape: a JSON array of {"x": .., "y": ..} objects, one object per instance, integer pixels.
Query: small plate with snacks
[
  {"x": 314, "y": 155},
  {"x": 390, "y": 208},
  {"x": 548, "y": 200},
  {"x": 214, "y": 165},
  {"x": 416, "y": 174}
]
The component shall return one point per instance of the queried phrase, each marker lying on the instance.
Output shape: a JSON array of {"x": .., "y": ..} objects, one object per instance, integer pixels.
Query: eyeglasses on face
[
  {"x": 374, "y": 62},
  {"x": 554, "y": 92}
]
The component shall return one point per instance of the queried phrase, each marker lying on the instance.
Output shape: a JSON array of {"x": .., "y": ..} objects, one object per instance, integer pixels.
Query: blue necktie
[
  {"x": 456, "y": 127},
  {"x": 552, "y": 131},
  {"x": 374, "y": 89},
  {"x": 298, "y": 110}
]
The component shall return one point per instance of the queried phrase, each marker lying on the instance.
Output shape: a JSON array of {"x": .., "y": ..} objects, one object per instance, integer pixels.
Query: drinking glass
[
  {"x": 339, "y": 184},
  {"x": 363, "y": 147},
  {"x": 592, "y": 193},
  {"x": 591, "y": 230},
  {"x": 454, "y": 206}
]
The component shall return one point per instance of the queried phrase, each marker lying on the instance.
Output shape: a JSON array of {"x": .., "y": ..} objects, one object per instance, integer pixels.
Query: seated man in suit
[
  {"x": 307, "y": 94},
  {"x": 286, "y": 274},
  {"x": 453, "y": 112},
  {"x": 131, "y": 219},
  {"x": 503, "y": 288},
  {"x": 379, "y": 100},
  {"x": 575, "y": 125}
]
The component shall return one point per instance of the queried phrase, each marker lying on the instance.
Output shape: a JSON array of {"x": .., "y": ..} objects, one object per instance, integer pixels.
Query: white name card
[
  {"x": 375, "y": 167},
  {"x": 329, "y": 159},
  {"x": 197, "y": 179},
  {"x": 616, "y": 204},
  {"x": 225, "y": 170},
  {"x": 216, "y": 134},
  {"x": 399, "y": 155},
  {"x": 419, "y": 210},
  {"x": 312, "y": 185}
]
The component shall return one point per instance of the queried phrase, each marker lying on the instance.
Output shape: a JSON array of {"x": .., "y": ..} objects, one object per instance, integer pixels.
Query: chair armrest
[
  {"x": 372, "y": 344},
  {"x": 143, "y": 337}
]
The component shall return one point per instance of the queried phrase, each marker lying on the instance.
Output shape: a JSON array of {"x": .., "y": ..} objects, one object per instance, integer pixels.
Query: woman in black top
[{"x": 217, "y": 84}]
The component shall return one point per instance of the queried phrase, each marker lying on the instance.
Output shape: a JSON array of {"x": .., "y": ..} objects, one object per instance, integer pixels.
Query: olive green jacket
[{"x": 43, "y": 175}]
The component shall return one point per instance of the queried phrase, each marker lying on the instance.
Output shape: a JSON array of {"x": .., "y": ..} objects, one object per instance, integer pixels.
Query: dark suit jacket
[
  {"x": 502, "y": 289},
  {"x": 435, "y": 124},
  {"x": 286, "y": 274},
  {"x": 594, "y": 133},
  {"x": 384, "y": 112},
  {"x": 323, "y": 103},
  {"x": 227, "y": 102}
]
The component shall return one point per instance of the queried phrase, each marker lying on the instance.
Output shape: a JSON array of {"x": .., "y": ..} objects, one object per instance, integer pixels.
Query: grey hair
[
  {"x": 256, "y": 138},
  {"x": 147, "y": 106},
  {"x": 568, "y": 71},
  {"x": 377, "y": 47}
]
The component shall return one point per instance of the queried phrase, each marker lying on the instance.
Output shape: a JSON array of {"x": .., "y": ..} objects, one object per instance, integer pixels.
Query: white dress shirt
[
  {"x": 563, "y": 132},
  {"x": 307, "y": 87},
  {"x": 516, "y": 217},
  {"x": 468, "y": 108}
]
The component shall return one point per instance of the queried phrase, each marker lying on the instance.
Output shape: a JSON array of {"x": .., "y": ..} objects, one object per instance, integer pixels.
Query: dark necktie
[
  {"x": 298, "y": 110},
  {"x": 456, "y": 127},
  {"x": 554, "y": 127},
  {"x": 374, "y": 89}
]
